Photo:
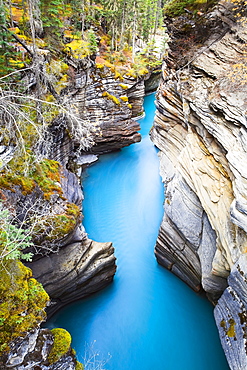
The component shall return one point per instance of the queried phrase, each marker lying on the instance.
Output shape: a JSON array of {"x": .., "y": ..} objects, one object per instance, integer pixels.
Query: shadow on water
[{"x": 147, "y": 318}]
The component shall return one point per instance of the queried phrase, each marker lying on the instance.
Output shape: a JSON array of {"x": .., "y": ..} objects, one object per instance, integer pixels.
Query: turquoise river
[{"x": 147, "y": 318}]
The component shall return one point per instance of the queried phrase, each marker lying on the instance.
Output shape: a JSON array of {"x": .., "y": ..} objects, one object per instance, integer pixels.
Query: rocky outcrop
[
  {"x": 152, "y": 82},
  {"x": 69, "y": 265},
  {"x": 32, "y": 352},
  {"x": 102, "y": 98},
  {"x": 75, "y": 272},
  {"x": 200, "y": 128},
  {"x": 105, "y": 100}
]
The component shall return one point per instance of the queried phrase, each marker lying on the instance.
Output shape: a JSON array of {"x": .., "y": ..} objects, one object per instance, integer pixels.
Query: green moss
[
  {"x": 79, "y": 366},
  {"x": 45, "y": 174},
  {"x": 223, "y": 324},
  {"x": 175, "y": 8},
  {"x": 61, "y": 344},
  {"x": 60, "y": 224},
  {"x": 231, "y": 331},
  {"x": 23, "y": 301}
]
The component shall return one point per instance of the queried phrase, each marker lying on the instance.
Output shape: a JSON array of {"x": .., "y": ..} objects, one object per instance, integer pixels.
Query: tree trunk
[
  {"x": 122, "y": 25},
  {"x": 134, "y": 31}
]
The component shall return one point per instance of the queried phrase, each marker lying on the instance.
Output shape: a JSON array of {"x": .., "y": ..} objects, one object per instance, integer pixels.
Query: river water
[{"x": 147, "y": 318}]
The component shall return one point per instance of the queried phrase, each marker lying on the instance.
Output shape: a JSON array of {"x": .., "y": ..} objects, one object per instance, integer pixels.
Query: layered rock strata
[
  {"x": 200, "y": 128},
  {"x": 102, "y": 99},
  {"x": 108, "y": 102},
  {"x": 75, "y": 272}
]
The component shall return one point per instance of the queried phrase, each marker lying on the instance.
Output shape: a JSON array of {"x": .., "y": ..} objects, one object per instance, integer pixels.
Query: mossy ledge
[
  {"x": 44, "y": 174},
  {"x": 61, "y": 347},
  {"x": 61, "y": 344},
  {"x": 23, "y": 302}
]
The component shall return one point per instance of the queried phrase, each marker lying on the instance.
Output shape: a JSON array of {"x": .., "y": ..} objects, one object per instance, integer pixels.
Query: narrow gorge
[{"x": 73, "y": 76}]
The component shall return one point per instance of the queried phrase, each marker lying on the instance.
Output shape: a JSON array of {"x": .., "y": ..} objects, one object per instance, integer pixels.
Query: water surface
[{"x": 147, "y": 318}]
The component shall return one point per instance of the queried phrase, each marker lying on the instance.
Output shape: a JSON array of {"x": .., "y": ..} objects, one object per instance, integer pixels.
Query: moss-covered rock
[
  {"x": 58, "y": 226},
  {"x": 61, "y": 344},
  {"x": 44, "y": 174},
  {"x": 22, "y": 304},
  {"x": 175, "y": 8},
  {"x": 79, "y": 366}
]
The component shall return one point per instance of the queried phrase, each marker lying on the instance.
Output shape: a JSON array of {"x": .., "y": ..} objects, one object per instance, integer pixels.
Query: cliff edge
[{"x": 200, "y": 129}]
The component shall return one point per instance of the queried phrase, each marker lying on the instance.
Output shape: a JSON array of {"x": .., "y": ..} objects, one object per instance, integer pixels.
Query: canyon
[{"x": 200, "y": 130}]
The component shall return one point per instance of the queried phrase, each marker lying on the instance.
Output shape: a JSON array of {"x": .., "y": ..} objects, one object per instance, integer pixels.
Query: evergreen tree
[
  {"x": 51, "y": 11},
  {"x": 6, "y": 51}
]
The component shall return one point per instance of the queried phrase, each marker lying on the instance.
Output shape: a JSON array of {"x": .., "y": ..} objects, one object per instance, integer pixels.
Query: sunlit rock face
[
  {"x": 104, "y": 108},
  {"x": 102, "y": 99},
  {"x": 200, "y": 128}
]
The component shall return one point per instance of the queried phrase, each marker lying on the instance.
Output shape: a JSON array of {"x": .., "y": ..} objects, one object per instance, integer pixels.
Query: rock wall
[
  {"x": 200, "y": 129},
  {"x": 102, "y": 98},
  {"x": 109, "y": 101}
]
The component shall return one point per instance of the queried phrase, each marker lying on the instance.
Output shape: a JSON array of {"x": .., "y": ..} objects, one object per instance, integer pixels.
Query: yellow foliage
[
  {"x": 125, "y": 87},
  {"x": 24, "y": 37},
  {"x": 108, "y": 64},
  {"x": 142, "y": 71},
  {"x": 131, "y": 73},
  {"x": 50, "y": 98},
  {"x": 15, "y": 30},
  {"x": 16, "y": 63},
  {"x": 17, "y": 14},
  {"x": 124, "y": 98},
  {"x": 111, "y": 97},
  {"x": 99, "y": 65},
  {"x": 118, "y": 76},
  {"x": 78, "y": 49}
]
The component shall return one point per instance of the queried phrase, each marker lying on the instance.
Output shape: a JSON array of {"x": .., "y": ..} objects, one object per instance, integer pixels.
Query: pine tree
[
  {"x": 51, "y": 11},
  {"x": 6, "y": 51}
]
